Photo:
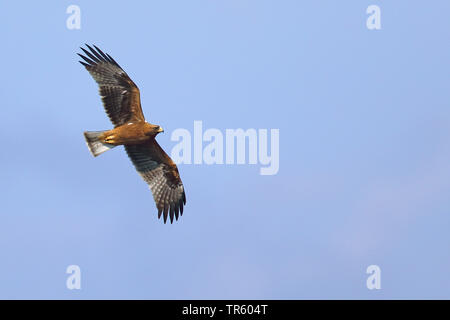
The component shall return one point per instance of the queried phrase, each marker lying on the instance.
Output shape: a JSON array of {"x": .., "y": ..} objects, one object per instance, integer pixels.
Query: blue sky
[{"x": 364, "y": 174}]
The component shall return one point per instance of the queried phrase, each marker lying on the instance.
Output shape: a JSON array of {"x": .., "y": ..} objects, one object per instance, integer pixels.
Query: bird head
[
  {"x": 153, "y": 129},
  {"x": 157, "y": 129}
]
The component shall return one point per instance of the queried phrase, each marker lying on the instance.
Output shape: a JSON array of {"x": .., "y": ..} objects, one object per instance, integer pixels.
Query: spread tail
[{"x": 95, "y": 145}]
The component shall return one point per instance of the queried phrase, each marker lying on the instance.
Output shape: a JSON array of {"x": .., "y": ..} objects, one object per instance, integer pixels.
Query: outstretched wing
[
  {"x": 119, "y": 94},
  {"x": 161, "y": 174}
]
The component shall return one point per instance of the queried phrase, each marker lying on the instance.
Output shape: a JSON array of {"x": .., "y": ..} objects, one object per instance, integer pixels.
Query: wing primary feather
[
  {"x": 171, "y": 208},
  {"x": 172, "y": 212},
  {"x": 177, "y": 210},
  {"x": 181, "y": 207},
  {"x": 90, "y": 55},
  {"x": 99, "y": 57},
  {"x": 113, "y": 61},
  {"x": 84, "y": 64},
  {"x": 166, "y": 208},
  {"x": 162, "y": 200},
  {"x": 184, "y": 197},
  {"x": 159, "y": 213},
  {"x": 101, "y": 52},
  {"x": 86, "y": 59}
]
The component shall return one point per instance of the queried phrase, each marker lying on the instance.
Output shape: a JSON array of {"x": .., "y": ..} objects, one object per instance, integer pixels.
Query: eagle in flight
[{"x": 121, "y": 100}]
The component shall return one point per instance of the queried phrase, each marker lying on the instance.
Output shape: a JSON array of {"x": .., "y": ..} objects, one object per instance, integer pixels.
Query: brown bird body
[
  {"x": 121, "y": 100},
  {"x": 131, "y": 133}
]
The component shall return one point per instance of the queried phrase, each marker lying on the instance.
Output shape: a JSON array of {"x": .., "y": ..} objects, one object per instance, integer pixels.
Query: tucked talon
[{"x": 109, "y": 139}]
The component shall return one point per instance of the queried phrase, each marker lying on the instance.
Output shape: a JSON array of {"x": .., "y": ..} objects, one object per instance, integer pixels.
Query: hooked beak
[{"x": 160, "y": 130}]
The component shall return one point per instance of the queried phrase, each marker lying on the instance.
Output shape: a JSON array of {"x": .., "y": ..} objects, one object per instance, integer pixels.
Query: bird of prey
[{"x": 121, "y": 100}]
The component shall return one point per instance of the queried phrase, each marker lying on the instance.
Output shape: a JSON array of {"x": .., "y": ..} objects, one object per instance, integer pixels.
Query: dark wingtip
[
  {"x": 177, "y": 210},
  {"x": 171, "y": 213},
  {"x": 84, "y": 64},
  {"x": 113, "y": 61},
  {"x": 165, "y": 214},
  {"x": 159, "y": 213},
  {"x": 92, "y": 55},
  {"x": 181, "y": 207},
  {"x": 98, "y": 55},
  {"x": 88, "y": 61},
  {"x": 105, "y": 57}
]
